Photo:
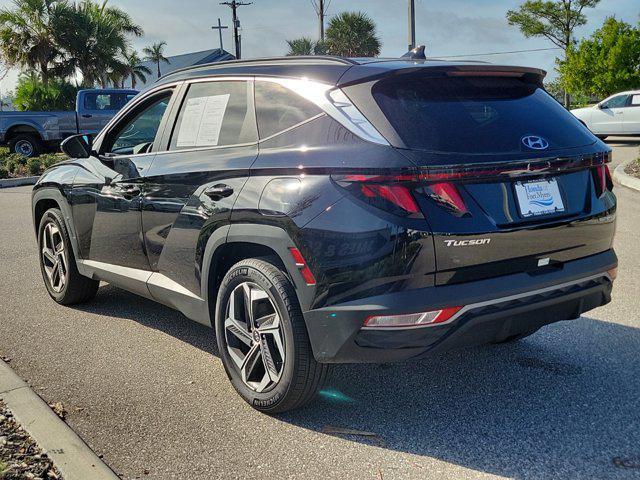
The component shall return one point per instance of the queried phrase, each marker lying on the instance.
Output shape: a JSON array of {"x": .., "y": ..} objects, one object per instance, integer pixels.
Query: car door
[
  {"x": 608, "y": 116},
  {"x": 192, "y": 186},
  {"x": 107, "y": 192},
  {"x": 631, "y": 123}
]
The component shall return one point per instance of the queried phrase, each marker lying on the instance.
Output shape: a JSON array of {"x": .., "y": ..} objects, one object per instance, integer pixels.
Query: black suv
[{"x": 320, "y": 210}]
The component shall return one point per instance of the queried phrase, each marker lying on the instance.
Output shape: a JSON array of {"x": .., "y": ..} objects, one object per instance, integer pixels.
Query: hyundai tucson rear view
[{"x": 327, "y": 210}]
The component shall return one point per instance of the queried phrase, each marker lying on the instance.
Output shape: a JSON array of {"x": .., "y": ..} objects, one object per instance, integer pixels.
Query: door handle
[
  {"x": 218, "y": 192},
  {"x": 86, "y": 115},
  {"x": 128, "y": 191}
]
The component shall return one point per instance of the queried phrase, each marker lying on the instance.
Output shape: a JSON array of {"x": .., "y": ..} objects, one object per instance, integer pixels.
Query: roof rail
[{"x": 319, "y": 59}]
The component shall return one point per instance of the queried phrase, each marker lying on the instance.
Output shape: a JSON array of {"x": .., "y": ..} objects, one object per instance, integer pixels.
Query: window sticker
[
  {"x": 202, "y": 121},
  {"x": 635, "y": 100}
]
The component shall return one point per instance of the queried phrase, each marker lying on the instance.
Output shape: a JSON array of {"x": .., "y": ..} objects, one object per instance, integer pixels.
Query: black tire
[
  {"x": 77, "y": 288},
  {"x": 301, "y": 376},
  {"x": 26, "y": 145}
]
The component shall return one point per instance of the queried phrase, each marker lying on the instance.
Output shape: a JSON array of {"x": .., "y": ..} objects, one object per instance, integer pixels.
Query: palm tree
[
  {"x": 352, "y": 34},
  {"x": 300, "y": 46},
  {"x": 27, "y": 34},
  {"x": 306, "y": 46},
  {"x": 155, "y": 54},
  {"x": 100, "y": 37},
  {"x": 134, "y": 69}
]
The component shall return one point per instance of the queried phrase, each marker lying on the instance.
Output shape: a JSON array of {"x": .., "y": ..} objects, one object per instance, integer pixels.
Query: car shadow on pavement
[
  {"x": 623, "y": 142},
  {"x": 564, "y": 403},
  {"x": 115, "y": 302}
]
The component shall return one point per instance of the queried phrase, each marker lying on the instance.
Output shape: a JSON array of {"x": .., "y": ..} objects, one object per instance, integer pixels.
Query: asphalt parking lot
[{"x": 144, "y": 387}]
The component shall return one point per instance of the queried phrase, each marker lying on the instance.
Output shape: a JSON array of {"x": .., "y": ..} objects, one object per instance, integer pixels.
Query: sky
[{"x": 446, "y": 27}]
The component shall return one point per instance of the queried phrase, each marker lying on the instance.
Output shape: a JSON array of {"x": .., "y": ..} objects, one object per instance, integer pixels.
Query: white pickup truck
[{"x": 31, "y": 133}]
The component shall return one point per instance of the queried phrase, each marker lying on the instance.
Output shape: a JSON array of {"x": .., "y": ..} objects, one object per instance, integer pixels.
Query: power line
[{"x": 500, "y": 53}]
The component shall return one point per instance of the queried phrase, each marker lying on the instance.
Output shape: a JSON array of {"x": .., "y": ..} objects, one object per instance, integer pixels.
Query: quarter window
[
  {"x": 215, "y": 114},
  {"x": 278, "y": 108},
  {"x": 635, "y": 101}
]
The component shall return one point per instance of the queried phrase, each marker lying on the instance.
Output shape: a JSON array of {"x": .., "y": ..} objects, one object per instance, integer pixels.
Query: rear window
[{"x": 478, "y": 115}]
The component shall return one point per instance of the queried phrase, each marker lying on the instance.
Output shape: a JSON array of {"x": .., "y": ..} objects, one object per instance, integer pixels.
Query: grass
[
  {"x": 13, "y": 165},
  {"x": 633, "y": 168}
]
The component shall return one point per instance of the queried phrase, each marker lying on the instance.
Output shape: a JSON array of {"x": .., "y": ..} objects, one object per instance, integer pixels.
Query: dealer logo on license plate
[{"x": 539, "y": 197}]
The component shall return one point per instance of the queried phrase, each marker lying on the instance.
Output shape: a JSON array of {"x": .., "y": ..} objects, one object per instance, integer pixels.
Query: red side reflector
[
  {"x": 302, "y": 266},
  {"x": 613, "y": 273}
]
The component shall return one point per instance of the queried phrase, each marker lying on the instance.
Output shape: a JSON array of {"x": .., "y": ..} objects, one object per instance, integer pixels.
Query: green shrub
[
  {"x": 3, "y": 172},
  {"x": 34, "y": 166},
  {"x": 34, "y": 95},
  {"x": 49, "y": 159}
]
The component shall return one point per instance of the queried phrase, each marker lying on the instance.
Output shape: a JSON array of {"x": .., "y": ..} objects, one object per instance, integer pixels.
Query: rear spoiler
[{"x": 376, "y": 71}]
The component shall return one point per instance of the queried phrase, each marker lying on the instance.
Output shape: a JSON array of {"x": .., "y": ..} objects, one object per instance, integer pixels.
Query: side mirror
[
  {"x": 599, "y": 106},
  {"x": 77, "y": 146}
]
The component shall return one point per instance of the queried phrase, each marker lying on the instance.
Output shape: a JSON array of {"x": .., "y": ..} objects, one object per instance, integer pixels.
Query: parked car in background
[
  {"x": 328, "y": 210},
  {"x": 617, "y": 115},
  {"x": 32, "y": 133}
]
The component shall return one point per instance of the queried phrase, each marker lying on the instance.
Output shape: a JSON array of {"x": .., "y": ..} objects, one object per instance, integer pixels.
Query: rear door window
[
  {"x": 278, "y": 108},
  {"x": 475, "y": 115},
  {"x": 216, "y": 114}
]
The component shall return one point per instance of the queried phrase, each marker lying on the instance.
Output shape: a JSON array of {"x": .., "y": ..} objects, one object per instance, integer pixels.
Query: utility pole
[
  {"x": 220, "y": 28},
  {"x": 321, "y": 7},
  {"x": 321, "y": 17},
  {"x": 234, "y": 4},
  {"x": 412, "y": 24}
]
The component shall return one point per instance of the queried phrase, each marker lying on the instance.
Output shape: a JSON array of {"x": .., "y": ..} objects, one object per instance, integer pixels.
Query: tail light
[
  {"x": 423, "y": 319},
  {"x": 390, "y": 193},
  {"x": 395, "y": 193},
  {"x": 447, "y": 195},
  {"x": 602, "y": 179}
]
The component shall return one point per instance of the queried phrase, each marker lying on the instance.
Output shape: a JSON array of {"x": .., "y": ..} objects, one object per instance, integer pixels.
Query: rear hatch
[{"x": 507, "y": 179}]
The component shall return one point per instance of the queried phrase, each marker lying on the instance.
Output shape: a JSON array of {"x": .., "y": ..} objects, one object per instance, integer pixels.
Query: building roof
[{"x": 178, "y": 62}]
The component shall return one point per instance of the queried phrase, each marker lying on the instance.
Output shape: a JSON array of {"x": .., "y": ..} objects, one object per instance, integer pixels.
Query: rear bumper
[{"x": 495, "y": 309}]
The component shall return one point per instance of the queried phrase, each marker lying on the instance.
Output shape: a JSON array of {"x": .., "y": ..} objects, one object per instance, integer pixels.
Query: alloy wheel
[
  {"x": 54, "y": 256},
  {"x": 24, "y": 148},
  {"x": 254, "y": 337}
]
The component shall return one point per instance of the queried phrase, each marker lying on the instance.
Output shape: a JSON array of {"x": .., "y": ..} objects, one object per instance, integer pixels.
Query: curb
[
  {"x": 624, "y": 179},
  {"x": 74, "y": 459},
  {"x": 18, "y": 182}
]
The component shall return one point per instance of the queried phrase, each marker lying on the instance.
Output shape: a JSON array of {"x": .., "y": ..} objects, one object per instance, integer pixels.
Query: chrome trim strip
[{"x": 473, "y": 306}]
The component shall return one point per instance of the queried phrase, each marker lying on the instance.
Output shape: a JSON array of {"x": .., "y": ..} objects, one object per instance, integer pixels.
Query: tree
[
  {"x": 606, "y": 63},
  {"x": 155, "y": 54},
  {"x": 98, "y": 41},
  {"x": 27, "y": 36},
  {"x": 134, "y": 69},
  {"x": 554, "y": 20},
  {"x": 306, "y": 46},
  {"x": 352, "y": 34},
  {"x": 33, "y": 94}
]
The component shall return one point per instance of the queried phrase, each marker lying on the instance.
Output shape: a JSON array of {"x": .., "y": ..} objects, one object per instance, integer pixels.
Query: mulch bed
[
  {"x": 20, "y": 457},
  {"x": 633, "y": 169}
]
